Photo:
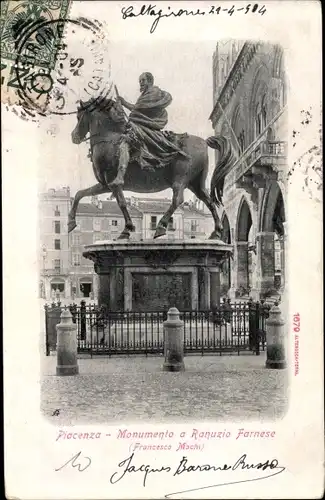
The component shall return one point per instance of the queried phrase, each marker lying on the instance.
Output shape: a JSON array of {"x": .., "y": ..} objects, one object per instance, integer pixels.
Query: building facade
[
  {"x": 99, "y": 220},
  {"x": 190, "y": 220},
  {"x": 65, "y": 273},
  {"x": 249, "y": 95},
  {"x": 55, "y": 256}
]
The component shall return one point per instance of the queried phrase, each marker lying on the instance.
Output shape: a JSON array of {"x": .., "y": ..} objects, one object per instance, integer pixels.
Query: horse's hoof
[
  {"x": 117, "y": 183},
  {"x": 215, "y": 235},
  {"x": 160, "y": 231},
  {"x": 71, "y": 225},
  {"x": 124, "y": 236}
]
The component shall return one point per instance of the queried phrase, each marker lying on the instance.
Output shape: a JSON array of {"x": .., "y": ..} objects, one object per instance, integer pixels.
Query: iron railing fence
[{"x": 237, "y": 328}]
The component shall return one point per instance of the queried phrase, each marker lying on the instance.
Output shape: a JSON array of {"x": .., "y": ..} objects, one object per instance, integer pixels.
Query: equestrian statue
[{"x": 135, "y": 153}]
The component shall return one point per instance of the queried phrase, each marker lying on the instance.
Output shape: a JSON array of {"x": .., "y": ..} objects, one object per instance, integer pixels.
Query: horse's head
[
  {"x": 82, "y": 128},
  {"x": 97, "y": 111}
]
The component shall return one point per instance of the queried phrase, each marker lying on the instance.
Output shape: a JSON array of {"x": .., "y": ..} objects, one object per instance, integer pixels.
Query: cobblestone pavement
[{"x": 218, "y": 388}]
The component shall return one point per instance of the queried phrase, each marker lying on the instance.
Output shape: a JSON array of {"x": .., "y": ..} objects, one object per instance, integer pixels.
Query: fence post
[
  {"x": 251, "y": 324},
  {"x": 83, "y": 335},
  {"x": 228, "y": 311},
  {"x": 257, "y": 328},
  {"x": 275, "y": 339},
  {"x": 67, "y": 361},
  {"x": 264, "y": 315},
  {"x": 173, "y": 339}
]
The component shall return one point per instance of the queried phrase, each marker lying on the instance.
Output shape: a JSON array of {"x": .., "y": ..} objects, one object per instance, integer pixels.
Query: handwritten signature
[
  {"x": 127, "y": 466},
  {"x": 153, "y": 12},
  {"x": 239, "y": 464},
  {"x": 81, "y": 463}
]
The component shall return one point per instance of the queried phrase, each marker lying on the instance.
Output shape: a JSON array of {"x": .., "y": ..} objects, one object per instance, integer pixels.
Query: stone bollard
[
  {"x": 67, "y": 361},
  {"x": 275, "y": 339},
  {"x": 173, "y": 337}
]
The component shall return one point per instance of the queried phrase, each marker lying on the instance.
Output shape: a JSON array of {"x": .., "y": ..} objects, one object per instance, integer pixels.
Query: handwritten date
[{"x": 157, "y": 14}]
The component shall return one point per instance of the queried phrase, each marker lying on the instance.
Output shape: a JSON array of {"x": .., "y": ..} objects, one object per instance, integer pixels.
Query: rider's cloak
[{"x": 150, "y": 146}]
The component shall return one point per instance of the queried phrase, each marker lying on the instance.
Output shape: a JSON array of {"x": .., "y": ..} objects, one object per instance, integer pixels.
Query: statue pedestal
[{"x": 155, "y": 275}]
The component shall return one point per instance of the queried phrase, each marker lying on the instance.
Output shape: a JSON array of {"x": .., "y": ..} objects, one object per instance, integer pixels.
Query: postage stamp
[
  {"x": 18, "y": 19},
  {"x": 22, "y": 23},
  {"x": 41, "y": 59}
]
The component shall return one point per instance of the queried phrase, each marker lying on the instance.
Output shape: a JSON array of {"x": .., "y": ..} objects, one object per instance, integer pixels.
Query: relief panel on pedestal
[{"x": 160, "y": 291}]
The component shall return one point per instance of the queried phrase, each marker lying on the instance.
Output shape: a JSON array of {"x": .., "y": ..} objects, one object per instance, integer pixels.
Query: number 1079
[{"x": 296, "y": 322}]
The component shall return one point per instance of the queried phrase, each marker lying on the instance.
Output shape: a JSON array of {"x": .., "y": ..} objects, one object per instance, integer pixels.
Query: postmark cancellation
[{"x": 48, "y": 60}]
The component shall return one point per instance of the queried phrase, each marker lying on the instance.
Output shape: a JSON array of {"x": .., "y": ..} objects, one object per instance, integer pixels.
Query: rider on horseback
[{"x": 143, "y": 135}]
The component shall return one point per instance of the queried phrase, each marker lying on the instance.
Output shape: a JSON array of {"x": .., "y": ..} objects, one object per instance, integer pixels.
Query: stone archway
[
  {"x": 225, "y": 275},
  {"x": 251, "y": 252},
  {"x": 244, "y": 247},
  {"x": 272, "y": 240}
]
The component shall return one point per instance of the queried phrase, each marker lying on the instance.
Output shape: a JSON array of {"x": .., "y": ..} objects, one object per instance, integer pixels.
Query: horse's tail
[{"x": 227, "y": 156}]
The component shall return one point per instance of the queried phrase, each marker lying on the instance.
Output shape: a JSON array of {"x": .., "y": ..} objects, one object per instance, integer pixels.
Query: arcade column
[
  {"x": 265, "y": 255},
  {"x": 242, "y": 264},
  {"x": 284, "y": 287},
  {"x": 284, "y": 252}
]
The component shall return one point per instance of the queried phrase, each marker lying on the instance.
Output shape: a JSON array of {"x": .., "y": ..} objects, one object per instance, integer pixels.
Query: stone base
[
  {"x": 153, "y": 275},
  {"x": 174, "y": 367},
  {"x": 67, "y": 370},
  {"x": 279, "y": 365}
]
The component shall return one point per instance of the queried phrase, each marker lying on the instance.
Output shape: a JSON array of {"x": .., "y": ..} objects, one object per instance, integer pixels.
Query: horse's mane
[{"x": 100, "y": 103}]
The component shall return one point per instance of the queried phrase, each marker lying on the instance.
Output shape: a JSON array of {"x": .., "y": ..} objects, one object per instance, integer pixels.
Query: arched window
[
  {"x": 281, "y": 96},
  {"x": 222, "y": 73},
  {"x": 238, "y": 126},
  {"x": 228, "y": 64},
  {"x": 270, "y": 134},
  {"x": 241, "y": 141},
  {"x": 258, "y": 120},
  {"x": 260, "y": 116},
  {"x": 264, "y": 113},
  {"x": 234, "y": 51}
]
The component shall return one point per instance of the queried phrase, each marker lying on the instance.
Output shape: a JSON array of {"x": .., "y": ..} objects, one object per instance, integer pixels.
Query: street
[{"x": 218, "y": 388}]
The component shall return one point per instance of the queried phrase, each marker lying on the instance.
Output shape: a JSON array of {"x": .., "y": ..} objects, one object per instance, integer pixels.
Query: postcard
[{"x": 162, "y": 201}]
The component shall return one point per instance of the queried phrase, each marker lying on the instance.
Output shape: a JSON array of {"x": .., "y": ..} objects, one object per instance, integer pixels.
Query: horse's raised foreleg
[
  {"x": 178, "y": 198},
  {"x": 82, "y": 193},
  {"x": 203, "y": 195},
  {"x": 129, "y": 227}
]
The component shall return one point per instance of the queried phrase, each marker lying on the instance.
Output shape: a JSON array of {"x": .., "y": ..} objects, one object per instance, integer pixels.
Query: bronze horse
[{"x": 105, "y": 125}]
